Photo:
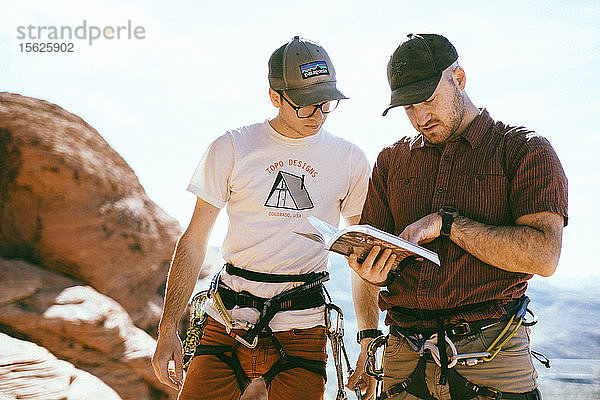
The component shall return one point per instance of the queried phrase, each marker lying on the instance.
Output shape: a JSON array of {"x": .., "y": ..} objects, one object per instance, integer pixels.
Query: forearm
[
  {"x": 532, "y": 248},
  {"x": 365, "y": 297},
  {"x": 181, "y": 281}
]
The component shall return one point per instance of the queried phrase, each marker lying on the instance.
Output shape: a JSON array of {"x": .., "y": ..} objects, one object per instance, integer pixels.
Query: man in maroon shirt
[{"x": 491, "y": 200}]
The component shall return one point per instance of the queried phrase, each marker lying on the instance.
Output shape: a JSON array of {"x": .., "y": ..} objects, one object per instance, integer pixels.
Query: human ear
[
  {"x": 275, "y": 98},
  {"x": 460, "y": 77}
]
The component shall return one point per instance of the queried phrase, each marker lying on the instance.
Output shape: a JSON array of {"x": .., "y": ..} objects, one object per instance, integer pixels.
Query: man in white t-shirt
[{"x": 271, "y": 176}]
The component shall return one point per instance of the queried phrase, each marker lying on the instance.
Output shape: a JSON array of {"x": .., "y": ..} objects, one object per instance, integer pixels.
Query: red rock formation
[
  {"x": 70, "y": 203},
  {"x": 80, "y": 325},
  {"x": 31, "y": 372}
]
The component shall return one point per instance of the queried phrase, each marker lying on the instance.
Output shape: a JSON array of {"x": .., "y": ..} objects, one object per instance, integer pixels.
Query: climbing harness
[
  {"x": 309, "y": 294},
  {"x": 437, "y": 350}
]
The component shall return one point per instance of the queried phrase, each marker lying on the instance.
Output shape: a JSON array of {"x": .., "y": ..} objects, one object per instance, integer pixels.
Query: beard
[
  {"x": 457, "y": 115},
  {"x": 450, "y": 120}
]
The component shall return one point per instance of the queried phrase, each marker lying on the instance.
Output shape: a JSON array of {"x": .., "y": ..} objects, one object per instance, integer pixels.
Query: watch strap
[{"x": 367, "y": 333}]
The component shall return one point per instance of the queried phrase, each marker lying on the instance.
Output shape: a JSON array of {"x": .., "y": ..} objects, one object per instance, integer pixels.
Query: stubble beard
[
  {"x": 453, "y": 123},
  {"x": 458, "y": 113}
]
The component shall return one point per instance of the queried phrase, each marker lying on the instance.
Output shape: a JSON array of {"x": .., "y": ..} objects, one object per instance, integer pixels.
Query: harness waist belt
[
  {"x": 269, "y": 278},
  {"x": 303, "y": 300},
  {"x": 462, "y": 328},
  {"x": 428, "y": 315}
]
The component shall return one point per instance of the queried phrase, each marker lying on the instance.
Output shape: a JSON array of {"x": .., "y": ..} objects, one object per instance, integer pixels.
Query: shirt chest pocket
[
  {"x": 484, "y": 196},
  {"x": 409, "y": 198}
]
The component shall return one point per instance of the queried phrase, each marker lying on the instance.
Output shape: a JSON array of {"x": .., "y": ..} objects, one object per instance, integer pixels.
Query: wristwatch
[
  {"x": 449, "y": 214},
  {"x": 367, "y": 333}
]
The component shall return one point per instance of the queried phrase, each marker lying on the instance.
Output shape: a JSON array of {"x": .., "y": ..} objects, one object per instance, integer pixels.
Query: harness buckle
[
  {"x": 471, "y": 359},
  {"x": 497, "y": 395},
  {"x": 460, "y": 329}
]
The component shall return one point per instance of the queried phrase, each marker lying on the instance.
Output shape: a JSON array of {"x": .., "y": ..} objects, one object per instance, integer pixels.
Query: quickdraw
[
  {"x": 335, "y": 333},
  {"x": 196, "y": 326}
]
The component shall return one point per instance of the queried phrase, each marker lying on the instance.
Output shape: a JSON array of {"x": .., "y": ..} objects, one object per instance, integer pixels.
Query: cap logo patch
[
  {"x": 314, "y": 68},
  {"x": 397, "y": 67}
]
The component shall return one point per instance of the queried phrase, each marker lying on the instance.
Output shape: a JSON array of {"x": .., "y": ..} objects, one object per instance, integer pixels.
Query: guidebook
[{"x": 360, "y": 239}]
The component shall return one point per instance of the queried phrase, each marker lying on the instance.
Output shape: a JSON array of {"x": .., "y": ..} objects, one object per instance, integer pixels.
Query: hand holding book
[{"x": 360, "y": 239}]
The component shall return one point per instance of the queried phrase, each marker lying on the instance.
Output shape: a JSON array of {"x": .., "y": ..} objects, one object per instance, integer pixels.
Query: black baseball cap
[
  {"x": 416, "y": 67},
  {"x": 304, "y": 71}
]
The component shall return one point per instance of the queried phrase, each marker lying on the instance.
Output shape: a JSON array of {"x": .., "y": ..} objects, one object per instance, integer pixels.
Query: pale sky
[{"x": 201, "y": 69}]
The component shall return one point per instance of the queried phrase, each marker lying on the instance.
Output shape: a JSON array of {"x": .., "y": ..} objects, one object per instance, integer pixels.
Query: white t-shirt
[{"x": 270, "y": 184}]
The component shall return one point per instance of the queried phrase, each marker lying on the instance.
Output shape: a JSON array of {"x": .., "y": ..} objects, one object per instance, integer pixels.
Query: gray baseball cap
[{"x": 304, "y": 71}]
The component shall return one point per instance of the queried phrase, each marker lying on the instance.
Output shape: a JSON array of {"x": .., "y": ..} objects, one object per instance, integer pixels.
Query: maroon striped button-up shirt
[{"x": 493, "y": 173}]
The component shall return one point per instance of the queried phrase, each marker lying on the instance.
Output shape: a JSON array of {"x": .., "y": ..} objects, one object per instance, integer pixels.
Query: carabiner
[
  {"x": 241, "y": 339},
  {"x": 532, "y": 322},
  {"x": 339, "y": 322},
  {"x": 431, "y": 345},
  {"x": 371, "y": 364}
]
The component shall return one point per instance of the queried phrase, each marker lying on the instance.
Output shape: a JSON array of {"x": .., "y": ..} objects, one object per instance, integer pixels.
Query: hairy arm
[
  {"x": 531, "y": 246},
  {"x": 185, "y": 266},
  {"x": 183, "y": 274}
]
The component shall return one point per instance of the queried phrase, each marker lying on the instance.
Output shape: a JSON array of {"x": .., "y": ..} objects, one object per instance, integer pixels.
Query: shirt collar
[
  {"x": 473, "y": 134},
  {"x": 477, "y": 128}
]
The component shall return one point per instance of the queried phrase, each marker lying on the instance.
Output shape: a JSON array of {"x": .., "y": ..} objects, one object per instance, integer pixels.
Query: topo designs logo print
[
  {"x": 315, "y": 68},
  {"x": 289, "y": 192}
]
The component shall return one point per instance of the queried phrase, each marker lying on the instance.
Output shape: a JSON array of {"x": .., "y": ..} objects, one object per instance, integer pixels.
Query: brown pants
[
  {"x": 210, "y": 378},
  {"x": 510, "y": 371}
]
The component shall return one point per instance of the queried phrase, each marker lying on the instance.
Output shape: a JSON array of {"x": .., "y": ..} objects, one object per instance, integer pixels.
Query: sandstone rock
[
  {"x": 70, "y": 203},
  {"x": 28, "y": 371},
  {"x": 79, "y": 325}
]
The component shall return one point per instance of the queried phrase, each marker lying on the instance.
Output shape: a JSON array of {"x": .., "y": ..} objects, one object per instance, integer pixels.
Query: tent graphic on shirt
[{"x": 289, "y": 192}]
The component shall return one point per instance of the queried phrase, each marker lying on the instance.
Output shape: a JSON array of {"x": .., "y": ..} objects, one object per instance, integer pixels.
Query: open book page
[
  {"x": 326, "y": 231},
  {"x": 360, "y": 239}
]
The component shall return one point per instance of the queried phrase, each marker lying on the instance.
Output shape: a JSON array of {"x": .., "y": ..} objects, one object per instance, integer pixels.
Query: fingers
[
  {"x": 408, "y": 235},
  {"x": 389, "y": 263},
  {"x": 353, "y": 379},
  {"x": 371, "y": 387},
  {"x": 424, "y": 230},
  {"x": 178, "y": 366},
  {"x": 372, "y": 256},
  {"x": 375, "y": 267},
  {"x": 366, "y": 384},
  {"x": 167, "y": 364},
  {"x": 353, "y": 262},
  {"x": 164, "y": 373},
  {"x": 175, "y": 372}
]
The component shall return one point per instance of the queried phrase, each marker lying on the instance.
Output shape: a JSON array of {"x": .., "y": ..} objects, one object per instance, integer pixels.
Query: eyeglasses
[{"x": 308, "y": 111}]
